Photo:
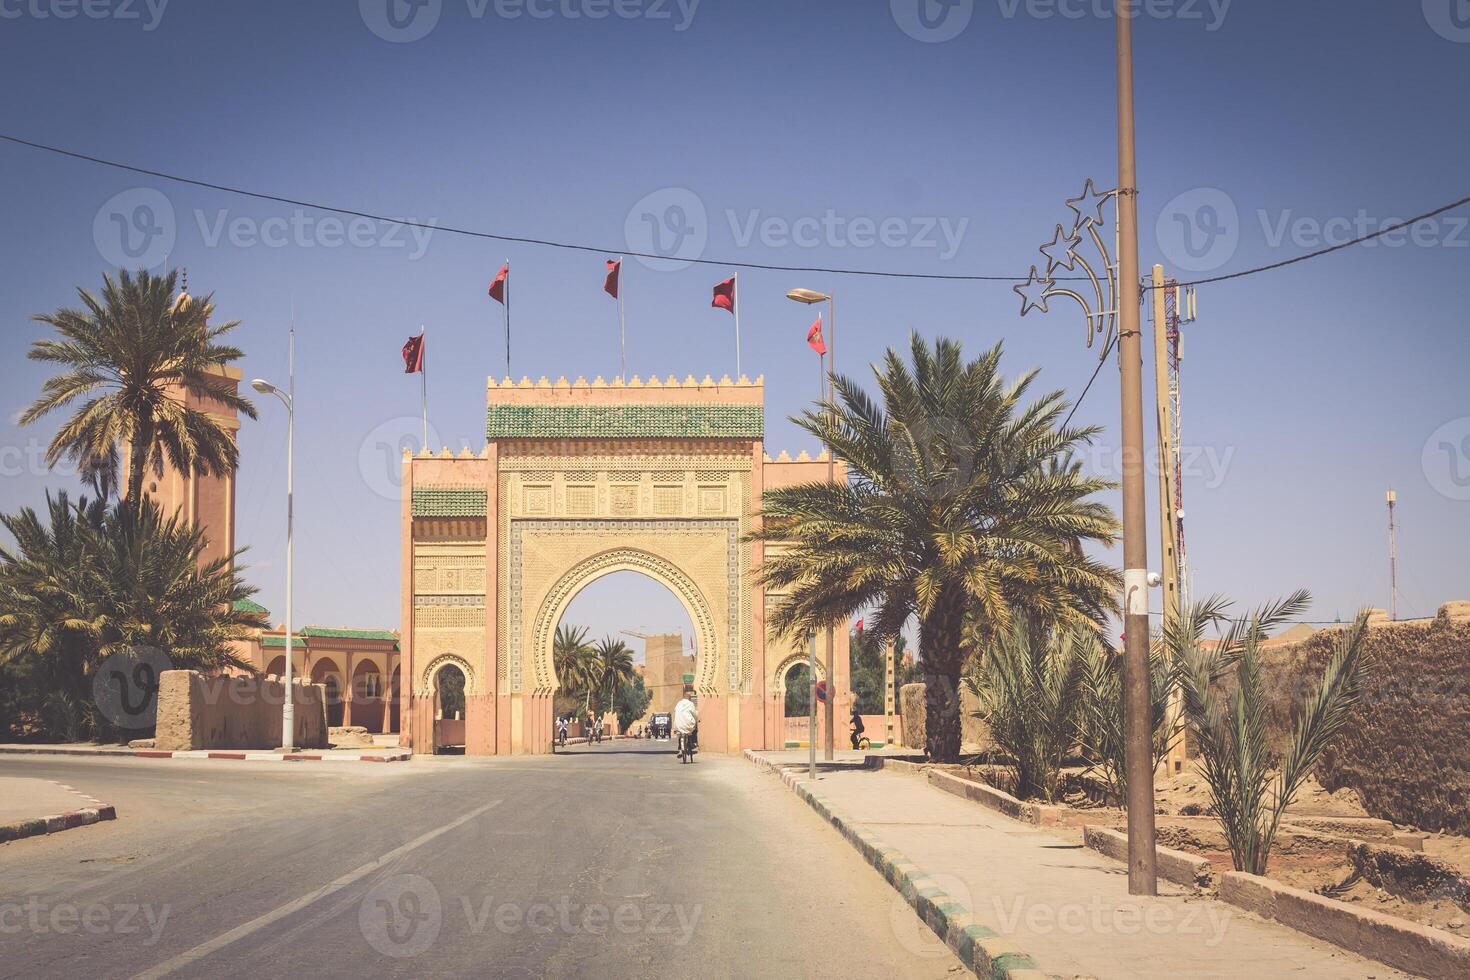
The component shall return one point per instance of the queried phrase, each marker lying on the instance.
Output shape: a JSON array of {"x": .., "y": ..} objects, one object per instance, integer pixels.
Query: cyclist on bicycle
[
  {"x": 686, "y": 720},
  {"x": 856, "y": 721}
]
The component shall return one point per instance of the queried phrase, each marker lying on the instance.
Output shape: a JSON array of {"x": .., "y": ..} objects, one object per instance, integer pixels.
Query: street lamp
[
  {"x": 288, "y": 398},
  {"x": 810, "y": 297}
]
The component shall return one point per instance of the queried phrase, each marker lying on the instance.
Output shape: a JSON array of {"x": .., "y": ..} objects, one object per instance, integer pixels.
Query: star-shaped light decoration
[
  {"x": 1033, "y": 292},
  {"x": 1088, "y": 207},
  {"x": 1059, "y": 252}
]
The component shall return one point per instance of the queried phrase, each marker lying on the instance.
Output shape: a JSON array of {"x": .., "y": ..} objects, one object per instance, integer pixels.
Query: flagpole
[
  {"x": 424, "y": 383},
  {"x": 622, "y": 326},
  {"x": 507, "y": 319},
  {"x": 736, "y": 298}
]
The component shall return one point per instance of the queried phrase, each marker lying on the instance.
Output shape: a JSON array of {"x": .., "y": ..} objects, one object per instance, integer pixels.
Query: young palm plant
[
  {"x": 1101, "y": 725},
  {"x": 963, "y": 503},
  {"x": 129, "y": 355},
  {"x": 1030, "y": 697},
  {"x": 1249, "y": 789}
]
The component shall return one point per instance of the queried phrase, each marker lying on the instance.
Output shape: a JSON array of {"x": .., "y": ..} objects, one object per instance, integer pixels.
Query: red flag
[
  {"x": 860, "y": 626},
  {"x": 814, "y": 337},
  {"x": 497, "y": 287},
  {"x": 611, "y": 285},
  {"x": 725, "y": 295},
  {"x": 413, "y": 355}
]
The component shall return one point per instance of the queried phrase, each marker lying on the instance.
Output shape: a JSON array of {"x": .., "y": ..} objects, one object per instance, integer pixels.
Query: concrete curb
[
  {"x": 1176, "y": 866},
  {"x": 978, "y": 947},
  {"x": 37, "y": 826},
  {"x": 1405, "y": 945},
  {"x": 1036, "y": 814}
]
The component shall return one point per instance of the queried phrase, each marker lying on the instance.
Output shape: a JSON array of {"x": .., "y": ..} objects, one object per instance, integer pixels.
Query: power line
[
  {"x": 493, "y": 236},
  {"x": 548, "y": 243},
  {"x": 1324, "y": 251},
  {"x": 1095, "y": 371}
]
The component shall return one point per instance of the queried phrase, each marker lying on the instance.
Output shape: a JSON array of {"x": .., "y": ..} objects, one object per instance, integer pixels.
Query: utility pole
[
  {"x": 1393, "y": 560},
  {"x": 1142, "y": 873},
  {"x": 1168, "y": 519}
]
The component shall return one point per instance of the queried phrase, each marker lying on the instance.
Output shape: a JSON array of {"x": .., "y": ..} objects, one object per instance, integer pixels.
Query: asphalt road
[{"x": 609, "y": 861}]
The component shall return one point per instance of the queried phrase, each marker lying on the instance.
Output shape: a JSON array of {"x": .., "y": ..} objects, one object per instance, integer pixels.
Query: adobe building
[
  {"x": 360, "y": 669},
  {"x": 577, "y": 481},
  {"x": 665, "y": 667}
]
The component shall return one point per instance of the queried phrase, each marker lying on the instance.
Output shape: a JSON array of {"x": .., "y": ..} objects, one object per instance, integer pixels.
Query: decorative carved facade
[{"x": 578, "y": 481}]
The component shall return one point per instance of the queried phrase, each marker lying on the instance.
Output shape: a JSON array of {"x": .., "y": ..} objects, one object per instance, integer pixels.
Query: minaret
[{"x": 206, "y": 501}]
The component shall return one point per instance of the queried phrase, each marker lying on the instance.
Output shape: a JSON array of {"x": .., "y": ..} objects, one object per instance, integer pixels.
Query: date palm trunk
[{"x": 941, "y": 654}]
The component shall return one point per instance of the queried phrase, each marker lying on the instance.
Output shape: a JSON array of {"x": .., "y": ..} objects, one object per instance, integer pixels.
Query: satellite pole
[{"x": 1393, "y": 561}]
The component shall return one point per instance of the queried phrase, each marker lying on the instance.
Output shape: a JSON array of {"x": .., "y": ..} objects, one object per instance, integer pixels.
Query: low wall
[
  {"x": 1404, "y": 750},
  {"x": 196, "y": 711}
]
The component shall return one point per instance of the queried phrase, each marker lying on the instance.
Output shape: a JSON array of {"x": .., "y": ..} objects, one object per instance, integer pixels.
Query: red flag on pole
[
  {"x": 814, "y": 337},
  {"x": 497, "y": 286},
  {"x": 860, "y": 626},
  {"x": 413, "y": 355},
  {"x": 611, "y": 285},
  {"x": 725, "y": 295}
]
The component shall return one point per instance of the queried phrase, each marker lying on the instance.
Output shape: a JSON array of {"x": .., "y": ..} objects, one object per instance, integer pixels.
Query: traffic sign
[{"x": 822, "y": 691}]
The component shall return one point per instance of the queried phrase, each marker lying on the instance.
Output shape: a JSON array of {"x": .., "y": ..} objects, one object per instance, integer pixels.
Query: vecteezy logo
[
  {"x": 1446, "y": 459},
  {"x": 134, "y": 228},
  {"x": 400, "y": 21},
  {"x": 932, "y": 21},
  {"x": 672, "y": 223},
  {"x": 380, "y": 456},
  {"x": 125, "y": 686},
  {"x": 1199, "y": 230},
  {"x": 1449, "y": 18},
  {"x": 401, "y": 916}
]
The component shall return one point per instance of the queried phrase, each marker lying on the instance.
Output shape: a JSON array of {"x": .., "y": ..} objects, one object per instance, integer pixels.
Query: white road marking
[{"x": 255, "y": 925}]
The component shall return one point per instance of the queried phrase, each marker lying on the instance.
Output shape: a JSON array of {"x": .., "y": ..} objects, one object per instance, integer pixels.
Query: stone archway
[
  {"x": 626, "y": 559},
  {"x": 578, "y": 480}
]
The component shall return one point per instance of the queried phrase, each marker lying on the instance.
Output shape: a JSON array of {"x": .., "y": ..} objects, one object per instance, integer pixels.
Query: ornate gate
[{"x": 577, "y": 481}]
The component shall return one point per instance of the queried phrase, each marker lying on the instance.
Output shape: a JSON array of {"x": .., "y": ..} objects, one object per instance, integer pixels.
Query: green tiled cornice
[
  {"x": 449, "y": 502},
  {"x": 624, "y": 421}
]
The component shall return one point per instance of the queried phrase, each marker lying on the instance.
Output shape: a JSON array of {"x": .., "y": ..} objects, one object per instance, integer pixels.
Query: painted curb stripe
[{"x": 979, "y": 947}]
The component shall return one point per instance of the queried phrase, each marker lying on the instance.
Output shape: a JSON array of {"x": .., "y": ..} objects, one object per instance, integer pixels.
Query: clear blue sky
[{"x": 1308, "y": 391}]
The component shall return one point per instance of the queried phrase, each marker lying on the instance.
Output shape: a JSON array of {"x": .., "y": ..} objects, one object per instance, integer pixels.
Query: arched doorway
[
  {"x": 792, "y": 697},
  {"x": 277, "y": 667},
  {"x": 326, "y": 672},
  {"x": 632, "y": 610},
  {"x": 449, "y": 709},
  {"x": 368, "y": 696}
]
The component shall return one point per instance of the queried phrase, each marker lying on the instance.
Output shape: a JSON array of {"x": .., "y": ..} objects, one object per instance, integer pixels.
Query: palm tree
[
  {"x": 130, "y": 354},
  {"x": 614, "y": 668},
  {"x": 85, "y": 583},
  {"x": 573, "y": 659},
  {"x": 964, "y": 503}
]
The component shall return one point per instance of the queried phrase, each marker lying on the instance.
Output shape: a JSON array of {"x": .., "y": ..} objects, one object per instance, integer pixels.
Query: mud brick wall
[
  {"x": 974, "y": 733},
  {"x": 1406, "y": 749},
  {"x": 196, "y": 711}
]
